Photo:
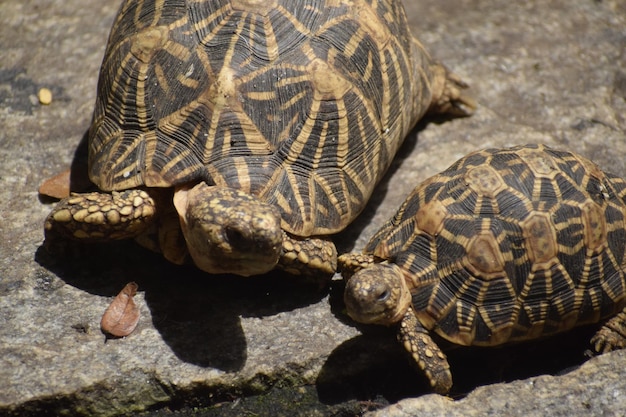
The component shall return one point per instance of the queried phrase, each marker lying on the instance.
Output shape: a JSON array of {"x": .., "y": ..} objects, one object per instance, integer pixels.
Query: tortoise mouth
[{"x": 244, "y": 266}]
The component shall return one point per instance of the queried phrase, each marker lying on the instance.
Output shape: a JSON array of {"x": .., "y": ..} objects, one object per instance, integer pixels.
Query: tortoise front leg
[
  {"x": 430, "y": 359},
  {"x": 311, "y": 257},
  {"x": 612, "y": 335},
  {"x": 351, "y": 263},
  {"x": 100, "y": 216}
]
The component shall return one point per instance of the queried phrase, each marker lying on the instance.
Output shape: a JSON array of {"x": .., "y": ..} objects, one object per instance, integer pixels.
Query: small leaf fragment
[
  {"x": 122, "y": 315},
  {"x": 57, "y": 186}
]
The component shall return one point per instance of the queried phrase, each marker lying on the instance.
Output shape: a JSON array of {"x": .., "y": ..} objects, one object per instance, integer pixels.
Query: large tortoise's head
[
  {"x": 229, "y": 231},
  {"x": 378, "y": 295}
]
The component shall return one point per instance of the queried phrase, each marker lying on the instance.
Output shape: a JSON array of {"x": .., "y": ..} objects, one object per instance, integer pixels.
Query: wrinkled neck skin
[{"x": 228, "y": 231}]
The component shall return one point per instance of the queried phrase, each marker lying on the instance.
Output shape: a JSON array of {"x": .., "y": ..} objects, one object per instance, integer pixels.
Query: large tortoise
[
  {"x": 505, "y": 245},
  {"x": 266, "y": 124}
]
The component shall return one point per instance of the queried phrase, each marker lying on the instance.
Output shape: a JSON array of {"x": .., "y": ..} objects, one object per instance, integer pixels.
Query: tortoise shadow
[
  {"x": 374, "y": 367},
  {"x": 370, "y": 367},
  {"x": 197, "y": 314}
]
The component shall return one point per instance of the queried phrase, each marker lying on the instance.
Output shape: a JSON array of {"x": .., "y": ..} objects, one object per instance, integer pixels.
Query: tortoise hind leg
[
  {"x": 101, "y": 216},
  {"x": 448, "y": 95},
  {"x": 314, "y": 257},
  {"x": 446, "y": 88},
  {"x": 612, "y": 335},
  {"x": 430, "y": 359}
]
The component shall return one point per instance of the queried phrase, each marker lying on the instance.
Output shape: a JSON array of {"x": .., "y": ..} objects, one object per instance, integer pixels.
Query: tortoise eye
[{"x": 383, "y": 296}]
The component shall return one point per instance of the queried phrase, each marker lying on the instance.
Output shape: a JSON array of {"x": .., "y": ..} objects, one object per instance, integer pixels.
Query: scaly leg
[
  {"x": 101, "y": 216},
  {"x": 430, "y": 359},
  {"x": 350, "y": 263},
  {"x": 311, "y": 257}
]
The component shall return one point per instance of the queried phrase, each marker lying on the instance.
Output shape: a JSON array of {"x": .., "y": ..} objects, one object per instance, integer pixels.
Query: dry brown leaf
[
  {"x": 57, "y": 186},
  {"x": 122, "y": 315}
]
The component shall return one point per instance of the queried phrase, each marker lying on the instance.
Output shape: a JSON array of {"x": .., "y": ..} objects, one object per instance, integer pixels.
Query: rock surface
[
  {"x": 551, "y": 72},
  {"x": 595, "y": 389}
]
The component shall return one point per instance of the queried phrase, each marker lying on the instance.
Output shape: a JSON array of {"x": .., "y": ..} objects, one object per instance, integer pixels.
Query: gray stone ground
[
  {"x": 542, "y": 71},
  {"x": 597, "y": 388}
]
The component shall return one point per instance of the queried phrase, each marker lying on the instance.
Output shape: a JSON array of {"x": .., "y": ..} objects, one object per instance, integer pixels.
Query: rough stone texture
[
  {"x": 597, "y": 388},
  {"x": 552, "y": 72}
]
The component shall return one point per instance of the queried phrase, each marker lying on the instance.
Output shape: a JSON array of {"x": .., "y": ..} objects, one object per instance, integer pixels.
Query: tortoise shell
[
  {"x": 511, "y": 244},
  {"x": 301, "y": 104}
]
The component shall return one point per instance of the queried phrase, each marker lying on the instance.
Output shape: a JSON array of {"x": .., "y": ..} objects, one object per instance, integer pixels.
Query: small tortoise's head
[
  {"x": 229, "y": 231},
  {"x": 377, "y": 295}
]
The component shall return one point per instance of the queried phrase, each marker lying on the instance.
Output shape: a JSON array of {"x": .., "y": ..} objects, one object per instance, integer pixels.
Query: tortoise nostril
[{"x": 235, "y": 236}]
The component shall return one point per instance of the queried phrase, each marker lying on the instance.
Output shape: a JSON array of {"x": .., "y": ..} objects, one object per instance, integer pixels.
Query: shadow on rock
[
  {"x": 369, "y": 368},
  {"x": 197, "y": 314},
  {"x": 375, "y": 368},
  {"x": 474, "y": 367}
]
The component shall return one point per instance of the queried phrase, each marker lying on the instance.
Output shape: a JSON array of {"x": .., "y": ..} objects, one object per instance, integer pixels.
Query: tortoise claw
[{"x": 611, "y": 336}]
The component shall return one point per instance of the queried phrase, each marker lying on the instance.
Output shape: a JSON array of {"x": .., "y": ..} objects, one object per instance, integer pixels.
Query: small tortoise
[
  {"x": 263, "y": 124},
  {"x": 505, "y": 245}
]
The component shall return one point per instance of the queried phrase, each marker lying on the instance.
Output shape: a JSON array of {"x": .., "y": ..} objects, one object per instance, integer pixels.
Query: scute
[
  {"x": 540, "y": 237},
  {"x": 484, "y": 254}
]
